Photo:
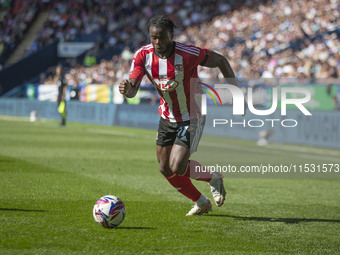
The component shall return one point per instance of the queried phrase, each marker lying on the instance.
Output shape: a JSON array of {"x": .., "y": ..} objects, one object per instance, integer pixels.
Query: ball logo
[{"x": 166, "y": 85}]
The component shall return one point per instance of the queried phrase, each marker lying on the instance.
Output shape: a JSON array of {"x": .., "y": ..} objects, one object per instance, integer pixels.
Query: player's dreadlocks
[{"x": 162, "y": 21}]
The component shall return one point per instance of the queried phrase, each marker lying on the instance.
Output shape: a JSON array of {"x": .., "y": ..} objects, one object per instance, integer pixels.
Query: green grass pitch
[{"x": 51, "y": 177}]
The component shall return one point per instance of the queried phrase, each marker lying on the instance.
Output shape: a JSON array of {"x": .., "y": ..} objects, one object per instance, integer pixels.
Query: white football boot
[
  {"x": 198, "y": 209},
  {"x": 217, "y": 189}
]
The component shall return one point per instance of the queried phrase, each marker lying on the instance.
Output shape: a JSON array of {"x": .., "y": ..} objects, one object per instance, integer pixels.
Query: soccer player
[
  {"x": 170, "y": 65},
  {"x": 61, "y": 98}
]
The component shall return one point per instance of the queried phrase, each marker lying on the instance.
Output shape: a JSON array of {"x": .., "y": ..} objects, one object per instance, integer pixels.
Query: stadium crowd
[
  {"x": 262, "y": 38},
  {"x": 276, "y": 39},
  {"x": 108, "y": 72},
  {"x": 120, "y": 22},
  {"x": 15, "y": 19}
]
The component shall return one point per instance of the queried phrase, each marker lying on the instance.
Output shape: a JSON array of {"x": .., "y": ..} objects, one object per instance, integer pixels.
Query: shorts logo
[{"x": 182, "y": 133}]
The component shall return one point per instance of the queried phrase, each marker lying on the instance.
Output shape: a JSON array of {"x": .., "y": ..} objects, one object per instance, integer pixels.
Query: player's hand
[{"x": 124, "y": 87}]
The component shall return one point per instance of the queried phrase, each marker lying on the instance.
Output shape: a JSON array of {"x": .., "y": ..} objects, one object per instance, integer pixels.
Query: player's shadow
[
  {"x": 268, "y": 219},
  {"x": 21, "y": 210}
]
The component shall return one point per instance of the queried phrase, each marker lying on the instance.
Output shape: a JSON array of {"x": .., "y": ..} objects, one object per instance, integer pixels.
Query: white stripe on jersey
[
  {"x": 163, "y": 68},
  {"x": 132, "y": 66},
  {"x": 180, "y": 89},
  {"x": 148, "y": 62},
  {"x": 146, "y": 47},
  {"x": 148, "y": 65},
  {"x": 163, "y": 72}
]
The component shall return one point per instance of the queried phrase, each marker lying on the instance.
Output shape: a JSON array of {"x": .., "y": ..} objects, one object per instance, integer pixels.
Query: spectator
[
  {"x": 269, "y": 39},
  {"x": 61, "y": 99}
]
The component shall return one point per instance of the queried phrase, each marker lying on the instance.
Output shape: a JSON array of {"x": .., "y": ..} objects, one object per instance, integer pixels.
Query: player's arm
[
  {"x": 129, "y": 87},
  {"x": 219, "y": 61}
]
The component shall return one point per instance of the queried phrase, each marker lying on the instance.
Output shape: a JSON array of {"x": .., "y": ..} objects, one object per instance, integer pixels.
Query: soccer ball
[{"x": 109, "y": 211}]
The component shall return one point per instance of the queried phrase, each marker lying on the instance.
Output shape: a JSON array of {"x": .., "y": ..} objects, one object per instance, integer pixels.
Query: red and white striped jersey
[{"x": 171, "y": 77}]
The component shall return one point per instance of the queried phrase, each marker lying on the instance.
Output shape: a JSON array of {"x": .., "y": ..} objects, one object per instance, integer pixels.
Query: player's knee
[
  {"x": 165, "y": 170},
  {"x": 177, "y": 167}
]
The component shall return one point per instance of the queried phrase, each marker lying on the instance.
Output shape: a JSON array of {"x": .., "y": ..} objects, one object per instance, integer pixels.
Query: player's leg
[
  {"x": 178, "y": 157},
  {"x": 180, "y": 164},
  {"x": 186, "y": 143},
  {"x": 182, "y": 184},
  {"x": 187, "y": 140},
  {"x": 165, "y": 138}
]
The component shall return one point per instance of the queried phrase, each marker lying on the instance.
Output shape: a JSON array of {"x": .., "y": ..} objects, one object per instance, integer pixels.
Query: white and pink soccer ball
[{"x": 109, "y": 211}]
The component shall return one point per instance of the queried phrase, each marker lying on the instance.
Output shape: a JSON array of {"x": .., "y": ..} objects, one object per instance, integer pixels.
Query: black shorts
[{"x": 186, "y": 133}]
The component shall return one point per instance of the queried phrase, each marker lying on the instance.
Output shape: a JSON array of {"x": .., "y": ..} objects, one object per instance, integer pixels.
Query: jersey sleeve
[
  {"x": 195, "y": 55},
  {"x": 203, "y": 57},
  {"x": 137, "y": 69}
]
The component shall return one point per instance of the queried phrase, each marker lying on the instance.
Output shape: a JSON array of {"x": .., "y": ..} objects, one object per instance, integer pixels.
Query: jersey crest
[{"x": 165, "y": 84}]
